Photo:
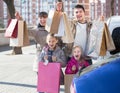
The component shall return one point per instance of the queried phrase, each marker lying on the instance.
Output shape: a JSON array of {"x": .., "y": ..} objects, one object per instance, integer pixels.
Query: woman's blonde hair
[{"x": 61, "y": 1}]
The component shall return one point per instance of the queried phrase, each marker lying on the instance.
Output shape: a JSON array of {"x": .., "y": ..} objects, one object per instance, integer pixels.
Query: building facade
[
  {"x": 29, "y": 9},
  {"x": 97, "y": 9},
  {"x": 86, "y": 4},
  {"x": 116, "y": 7},
  {"x": 1, "y": 14}
]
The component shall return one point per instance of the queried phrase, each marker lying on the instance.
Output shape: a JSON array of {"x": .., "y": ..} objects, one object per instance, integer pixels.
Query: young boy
[{"x": 39, "y": 35}]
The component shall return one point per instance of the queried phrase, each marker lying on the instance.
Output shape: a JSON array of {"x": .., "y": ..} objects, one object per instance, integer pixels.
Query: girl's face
[
  {"x": 77, "y": 53},
  {"x": 52, "y": 41}
]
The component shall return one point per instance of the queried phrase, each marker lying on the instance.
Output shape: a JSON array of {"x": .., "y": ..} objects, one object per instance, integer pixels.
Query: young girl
[
  {"x": 53, "y": 53},
  {"x": 76, "y": 62}
]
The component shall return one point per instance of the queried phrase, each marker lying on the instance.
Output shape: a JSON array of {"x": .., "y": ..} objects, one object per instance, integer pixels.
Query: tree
[
  {"x": 112, "y": 7},
  {"x": 11, "y": 9}
]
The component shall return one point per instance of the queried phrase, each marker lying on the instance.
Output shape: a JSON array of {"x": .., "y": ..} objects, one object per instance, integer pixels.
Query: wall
[{"x": 3, "y": 40}]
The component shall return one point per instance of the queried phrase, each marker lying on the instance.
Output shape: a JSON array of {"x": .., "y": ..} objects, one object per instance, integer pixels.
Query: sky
[
  {"x": 103, "y": 0},
  {"x": 95, "y": 0}
]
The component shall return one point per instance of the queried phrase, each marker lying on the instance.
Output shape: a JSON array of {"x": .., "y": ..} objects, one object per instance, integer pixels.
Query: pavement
[{"x": 16, "y": 74}]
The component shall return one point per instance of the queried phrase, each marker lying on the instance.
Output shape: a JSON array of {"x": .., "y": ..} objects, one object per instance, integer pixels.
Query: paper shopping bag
[
  {"x": 95, "y": 39},
  {"x": 48, "y": 77},
  {"x": 11, "y": 31},
  {"x": 107, "y": 41},
  {"x": 68, "y": 80},
  {"x": 103, "y": 49},
  {"x": 23, "y": 33},
  {"x": 22, "y": 38},
  {"x": 61, "y": 28},
  {"x": 68, "y": 37},
  {"x": 53, "y": 21},
  {"x": 49, "y": 20}
]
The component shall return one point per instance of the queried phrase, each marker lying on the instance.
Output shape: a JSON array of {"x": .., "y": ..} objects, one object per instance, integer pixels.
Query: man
[
  {"x": 39, "y": 36},
  {"x": 81, "y": 29}
]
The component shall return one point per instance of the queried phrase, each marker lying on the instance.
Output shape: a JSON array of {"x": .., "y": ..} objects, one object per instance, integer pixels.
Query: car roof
[{"x": 113, "y": 22}]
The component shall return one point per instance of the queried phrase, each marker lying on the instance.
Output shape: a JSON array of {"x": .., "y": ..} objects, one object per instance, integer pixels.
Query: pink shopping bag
[
  {"x": 12, "y": 29},
  {"x": 48, "y": 77}
]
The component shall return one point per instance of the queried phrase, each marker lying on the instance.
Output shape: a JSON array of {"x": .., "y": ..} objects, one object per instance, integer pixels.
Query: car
[
  {"x": 113, "y": 22},
  {"x": 114, "y": 27},
  {"x": 102, "y": 77}
]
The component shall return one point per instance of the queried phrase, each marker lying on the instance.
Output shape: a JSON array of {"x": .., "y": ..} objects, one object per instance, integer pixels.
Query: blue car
[{"x": 99, "y": 79}]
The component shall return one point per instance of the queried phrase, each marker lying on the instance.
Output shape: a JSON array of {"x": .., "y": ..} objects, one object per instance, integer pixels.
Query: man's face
[
  {"x": 79, "y": 14},
  {"x": 42, "y": 21}
]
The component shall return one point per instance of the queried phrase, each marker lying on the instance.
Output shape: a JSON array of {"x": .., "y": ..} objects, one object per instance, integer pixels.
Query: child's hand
[
  {"x": 80, "y": 68},
  {"x": 54, "y": 58},
  {"x": 73, "y": 68},
  {"x": 45, "y": 57}
]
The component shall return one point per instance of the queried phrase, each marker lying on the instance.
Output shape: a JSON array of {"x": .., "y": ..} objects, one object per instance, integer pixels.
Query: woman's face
[
  {"x": 77, "y": 53},
  {"x": 59, "y": 6}
]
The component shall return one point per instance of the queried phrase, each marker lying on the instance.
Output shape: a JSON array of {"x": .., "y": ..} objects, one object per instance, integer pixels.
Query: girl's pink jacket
[{"x": 72, "y": 62}]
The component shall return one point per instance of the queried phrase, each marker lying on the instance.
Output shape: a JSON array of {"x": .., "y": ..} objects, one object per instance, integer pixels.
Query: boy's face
[
  {"x": 51, "y": 41},
  {"x": 79, "y": 14},
  {"x": 42, "y": 21},
  {"x": 77, "y": 53}
]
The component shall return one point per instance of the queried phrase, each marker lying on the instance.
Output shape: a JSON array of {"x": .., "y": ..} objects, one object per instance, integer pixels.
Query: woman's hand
[
  {"x": 17, "y": 15},
  {"x": 59, "y": 6}
]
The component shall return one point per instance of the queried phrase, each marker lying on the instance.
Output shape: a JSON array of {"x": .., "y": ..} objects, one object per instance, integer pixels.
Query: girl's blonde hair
[{"x": 51, "y": 35}]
